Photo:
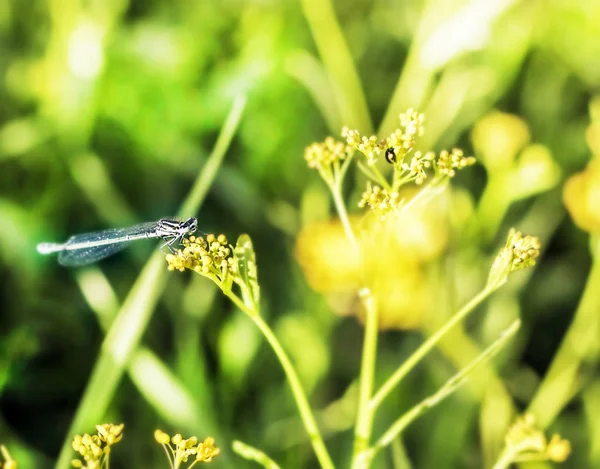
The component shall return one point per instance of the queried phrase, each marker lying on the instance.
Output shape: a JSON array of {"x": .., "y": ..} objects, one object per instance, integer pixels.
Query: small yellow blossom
[
  {"x": 207, "y": 450},
  {"x": 412, "y": 123},
  {"x": 109, "y": 433},
  {"x": 558, "y": 450},
  {"x": 183, "y": 449},
  {"x": 524, "y": 441},
  {"x": 448, "y": 162},
  {"x": 417, "y": 168},
  {"x": 161, "y": 437}
]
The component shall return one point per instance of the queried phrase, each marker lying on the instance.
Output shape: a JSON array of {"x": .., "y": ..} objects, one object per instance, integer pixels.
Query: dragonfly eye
[{"x": 191, "y": 224}]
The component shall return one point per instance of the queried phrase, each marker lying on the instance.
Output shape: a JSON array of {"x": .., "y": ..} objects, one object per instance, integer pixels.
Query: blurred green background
[{"x": 108, "y": 112}]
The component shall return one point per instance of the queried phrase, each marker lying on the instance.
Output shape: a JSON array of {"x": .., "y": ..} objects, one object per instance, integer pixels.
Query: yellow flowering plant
[{"x": 415, "y": 178}]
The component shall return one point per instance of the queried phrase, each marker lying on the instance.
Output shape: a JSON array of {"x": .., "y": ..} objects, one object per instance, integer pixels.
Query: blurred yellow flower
[
  {"x": 498, "y": 137},
  {"x": 535, "y": 172},
  {"x": 581, "y": 196},
  {"x": 592, "y": 136},
  {"x": 391, "y": 261},
  {"x": 327, "y": 257}
]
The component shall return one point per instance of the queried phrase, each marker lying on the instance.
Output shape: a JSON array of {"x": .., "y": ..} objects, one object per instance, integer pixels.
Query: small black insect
[{"x": 390, "y": 155}]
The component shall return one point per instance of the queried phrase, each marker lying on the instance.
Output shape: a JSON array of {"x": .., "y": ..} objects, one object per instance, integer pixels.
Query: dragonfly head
[{"x": 190, "y": 225}]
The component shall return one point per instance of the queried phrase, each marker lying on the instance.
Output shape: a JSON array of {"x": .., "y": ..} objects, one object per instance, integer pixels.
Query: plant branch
[{"x": 426, "y": 347}]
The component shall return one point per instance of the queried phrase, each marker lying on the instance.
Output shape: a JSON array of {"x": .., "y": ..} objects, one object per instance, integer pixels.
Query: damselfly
[{"x": 90, "y": 247}]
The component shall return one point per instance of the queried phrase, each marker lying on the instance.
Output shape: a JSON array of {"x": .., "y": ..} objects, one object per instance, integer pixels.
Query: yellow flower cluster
[
  {"x": 399, "y": 144},
  {"x": 403, "y": 140},
  {"x": 448, "y": 162},
  {"x": 416, "y": 169},
  {"x": 380, "y": 200},
  {"x": 180, "y": 449},
  {"x": 95, "y": 449},
  {"x": 209, "y": 256},
  {"x": 320, "y": 155},
  {"x": 519, "y": 252},
  {"x": 368, "y": 146},
  {"x": 525, "y": 250},
  {"x": 524, "y": 439}
]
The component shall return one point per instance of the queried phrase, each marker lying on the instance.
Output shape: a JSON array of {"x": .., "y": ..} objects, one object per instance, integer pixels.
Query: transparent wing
[
  {"x": 83, "y": 256},
  {"x": 90, "y": 247}
]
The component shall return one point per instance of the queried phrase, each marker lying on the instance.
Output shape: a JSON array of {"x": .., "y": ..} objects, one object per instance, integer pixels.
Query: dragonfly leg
[{"x": 168, "y": 244}]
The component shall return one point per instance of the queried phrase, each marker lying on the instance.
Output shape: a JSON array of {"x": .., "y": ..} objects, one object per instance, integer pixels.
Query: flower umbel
[
  {"x": 180, "y": 450},
  {"x": 368, "y": 146},
  {"x": 95, "y": 449},
  {"x": 416, "y": 170},
  {"x": 319, "y": 155},
  {"x": 448, "y": 162},
  {"x": 209, "y": 256},
  {"x": 403, "y": 140}
]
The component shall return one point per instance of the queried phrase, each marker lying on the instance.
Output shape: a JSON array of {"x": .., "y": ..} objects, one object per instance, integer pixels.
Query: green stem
[
  {"x": 448, "y": 388},
  {"x": 168, "y": 455},
  {"x": 342, "y": 213},
  {"x": 505, "y": 459},
  {"x": 380, "y": 179},
  {"x": 306, "y": 414},
  {"x": 412, "y": 361},
  {"x": 337, "y": 58},
  {"x": 365, "y": 413},
  {"x": 252, "y": 454}
]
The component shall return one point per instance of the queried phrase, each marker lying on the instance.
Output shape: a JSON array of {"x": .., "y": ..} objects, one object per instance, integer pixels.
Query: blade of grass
[
  {"x": 162, "y": 389},
  {"x": 127, "y": 329},
  {"x": 311, "y": 74},
  {"x": 578, "y": 346},
  {"x": 448, "y": 388},
  {"x": 338, "y": 62}
]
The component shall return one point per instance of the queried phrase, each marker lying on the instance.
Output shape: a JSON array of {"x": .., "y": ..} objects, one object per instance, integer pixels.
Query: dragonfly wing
[{"x": 83, "y": 256}]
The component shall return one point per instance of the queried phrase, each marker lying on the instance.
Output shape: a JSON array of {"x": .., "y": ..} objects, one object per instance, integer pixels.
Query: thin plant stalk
[
  {"x": 426, "y": 347},
  {"x": 306, "y": 413},
  {"x": 365, "y": 413},
  {"x": 448, "y": 388},
  {"x": 364, "y": 418},
  {"x": 253, "y": 454},
  {"x": 336, "y": 56}
]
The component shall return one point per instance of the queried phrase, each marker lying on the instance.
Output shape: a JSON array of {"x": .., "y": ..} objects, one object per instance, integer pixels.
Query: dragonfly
[{"x": 87, "y": 248}]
